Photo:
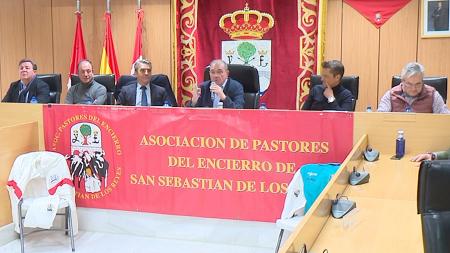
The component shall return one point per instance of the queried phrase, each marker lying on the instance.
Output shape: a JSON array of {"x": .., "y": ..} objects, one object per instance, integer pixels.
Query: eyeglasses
[
  {"x": 145, "y": 70},
  {"x": 415, "y": 85}
]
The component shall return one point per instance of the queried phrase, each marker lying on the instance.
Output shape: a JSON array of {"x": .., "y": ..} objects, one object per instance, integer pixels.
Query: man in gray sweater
[{"x": 87, "y": 91}]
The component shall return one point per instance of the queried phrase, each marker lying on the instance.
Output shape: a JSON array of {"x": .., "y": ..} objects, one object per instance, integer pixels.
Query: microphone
[{"x": 213, "y": 95}]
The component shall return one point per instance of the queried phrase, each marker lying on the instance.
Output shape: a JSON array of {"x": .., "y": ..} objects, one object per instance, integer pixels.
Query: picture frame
[{"x": 435, "y": 18}]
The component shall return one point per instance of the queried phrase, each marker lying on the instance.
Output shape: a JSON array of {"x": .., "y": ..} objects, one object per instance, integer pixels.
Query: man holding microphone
[{"x": 220, "y": 88}]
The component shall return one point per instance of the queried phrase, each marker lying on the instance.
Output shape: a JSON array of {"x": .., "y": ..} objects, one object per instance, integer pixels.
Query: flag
[
  {"x": 137, "y": 53},
  {"x": 79, "y": 50},
  {"x": 108, "y": 64}
]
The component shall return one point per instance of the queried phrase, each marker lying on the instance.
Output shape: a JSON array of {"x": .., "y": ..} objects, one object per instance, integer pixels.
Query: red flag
[
  {"x": 79, "y": 50},
  {"x": 137, "y": 53},
  {"x": 108, "y": 63}
]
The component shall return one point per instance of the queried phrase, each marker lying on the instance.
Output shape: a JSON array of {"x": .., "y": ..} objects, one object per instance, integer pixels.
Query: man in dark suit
[
  {"x": 142, "y": 92},
  {"x": 219, "y": 89},
  {"x": 28, "y": 88},
  {"x": 331, "y": 95}
]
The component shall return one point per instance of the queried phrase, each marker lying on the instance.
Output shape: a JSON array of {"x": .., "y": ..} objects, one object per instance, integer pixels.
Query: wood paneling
[
  {"x": 398, "y": 45},
  {"x": 16, "y": 140},
  {"x": 360, "y": 42},
  {"x": 12, "y": 41},
  {"x": 333, "y": 31},
  {"x": 39, "y": 34}
]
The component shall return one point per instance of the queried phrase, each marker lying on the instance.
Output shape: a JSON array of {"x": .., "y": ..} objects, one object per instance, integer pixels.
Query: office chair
[
  {"x": 351, "y": 83},
  {"x": 294, "y": 207},
  {"x": 249, "y": 78},
  {"x": 433, "y": 205},
  {"x": 439, "y": 83},
  {"x": 54, "y": 84},
  {"x": 39, "y": 185},
  {"x": 107, "y": 80},
  {"x": 157, "y": 79}
]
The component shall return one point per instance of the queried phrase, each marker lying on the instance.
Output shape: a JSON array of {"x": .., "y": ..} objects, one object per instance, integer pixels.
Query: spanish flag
[{"x": 108, "y": 64}]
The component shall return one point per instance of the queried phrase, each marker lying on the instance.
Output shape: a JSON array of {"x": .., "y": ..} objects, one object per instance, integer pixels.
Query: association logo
[
  {"x": 246, "y": 28},
  {"x": 91, "y": 141}
]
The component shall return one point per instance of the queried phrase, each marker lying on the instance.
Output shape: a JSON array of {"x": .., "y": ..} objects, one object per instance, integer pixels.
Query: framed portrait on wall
[{"x": 435, "y": 18}]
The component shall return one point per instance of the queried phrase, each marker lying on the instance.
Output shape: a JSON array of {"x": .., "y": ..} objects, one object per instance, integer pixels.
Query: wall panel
[
  {"x": 38, "y": 34},
  {"x": 333, "y": 32},
  {"x": 360, "y": 41},
  {"x": 12, "y": 41}
]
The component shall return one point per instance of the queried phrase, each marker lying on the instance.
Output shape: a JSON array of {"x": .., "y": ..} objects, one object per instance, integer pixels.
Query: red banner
[
  {"x": 210, "y": 163},
  {"x": 278, "y": 38}
]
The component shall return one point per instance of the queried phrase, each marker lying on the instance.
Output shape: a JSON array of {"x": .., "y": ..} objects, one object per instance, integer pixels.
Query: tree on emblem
[
  {"x": 86, "y": 131},
  {"x": 245, "y": 51}
]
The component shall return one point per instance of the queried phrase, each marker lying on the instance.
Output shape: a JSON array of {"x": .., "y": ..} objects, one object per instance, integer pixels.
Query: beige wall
[
  {"x": 377, "y": 54},
  {"x": 44, "y": 31}
]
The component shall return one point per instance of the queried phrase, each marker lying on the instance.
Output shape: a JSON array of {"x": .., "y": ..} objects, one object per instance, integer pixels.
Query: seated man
[
  {"x": 28, "y": 87},
  {"x": 412, "y": 95},
  {"x": 330, "y": 95},
  {"x": 141, "y": 92},
  {"x": 88, "y": 91},
  {"x": 441, "y": 155},
  {"x": 220, "y": 88}
]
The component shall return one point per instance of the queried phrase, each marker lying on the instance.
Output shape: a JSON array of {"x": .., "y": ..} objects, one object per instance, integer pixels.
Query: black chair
[
  {"x": 351, "y": 83},
  {"x": 158, "y": 79},
  {"x": 106, "y": 80},
  {"x": 249, "y": 78},
  {"x": 433, "y": 204},
  {"x": 439, "y": 83},
  {"x": 54, "y": 83}
]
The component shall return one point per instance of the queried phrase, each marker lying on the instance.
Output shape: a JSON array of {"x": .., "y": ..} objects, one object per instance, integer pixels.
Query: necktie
[{"x": 144, "y": 96}]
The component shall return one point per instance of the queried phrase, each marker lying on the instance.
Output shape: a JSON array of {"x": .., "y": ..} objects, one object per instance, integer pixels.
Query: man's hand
[
  {"x": 328, "y": 92},
  {"x": 218, "y": 90},
  {"x": 196, "y": 92},
  {"x": 421, "y": 157}
]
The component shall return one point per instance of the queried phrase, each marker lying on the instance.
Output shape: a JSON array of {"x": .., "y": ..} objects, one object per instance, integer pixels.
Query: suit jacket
[
  {"x": 316, "y": 101},
  {"x": 127, "y": 95},
  {"x": 233, "y": 89},
  {"x": 36, "y": 88}
]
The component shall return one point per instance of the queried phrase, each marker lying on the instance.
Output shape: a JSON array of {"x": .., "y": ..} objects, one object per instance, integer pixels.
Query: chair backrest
[
  {"x": 249, "y": 78},
  {"x": 351, "y": 83},
  {"x": 106, "y": 80},
  {"x": 433, "y": 203},
  {"x": 157, "y": 79},
  {"x": 438, "y": 82},
  {"x": 54, "y": 84}
]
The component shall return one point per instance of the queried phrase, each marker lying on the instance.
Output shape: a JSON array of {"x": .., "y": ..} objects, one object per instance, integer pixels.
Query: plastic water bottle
[
  {"x": 33, "y": 100},
  {"x": 263, "y": 106},
  {"x": 408, "y": 109},
  {"x": 400, "y": 144},
  {"x": 167, "y": 104},
  {"x": 220, "y": 105},
  {"x": 369, "y": 108}
]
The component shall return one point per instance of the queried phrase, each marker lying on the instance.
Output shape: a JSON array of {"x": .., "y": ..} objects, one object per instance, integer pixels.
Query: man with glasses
[
  {"x": 412, "y": 95},
  {"x": 331, "y": 95},
  {"x": 28, "y": 88},
  {"x": 142, "y": 92},
  {"x": 220, "y": 88}
]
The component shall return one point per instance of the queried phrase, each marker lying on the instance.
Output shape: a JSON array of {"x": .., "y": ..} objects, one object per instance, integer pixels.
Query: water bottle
[
  {"x": 408, "y": 109},
  {"x": 263, "y": 106},
  {"x": 33, "y": 100},
  {"x": 369, "y": 108},
  {"x": 167, "y": 104},
  {"x": 220, "y": 105},
  {"x": 400, "y": 144}
]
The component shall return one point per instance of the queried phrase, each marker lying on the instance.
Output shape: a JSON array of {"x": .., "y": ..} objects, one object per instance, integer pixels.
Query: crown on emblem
[{"x": 246, "y": 24}]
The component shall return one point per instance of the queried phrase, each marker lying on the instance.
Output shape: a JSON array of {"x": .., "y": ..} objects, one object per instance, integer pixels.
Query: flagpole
[
  {"x": 78, "y": 5},
  {"x": 139, "y": 4},
  {"x": 108, "y": 6}
]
